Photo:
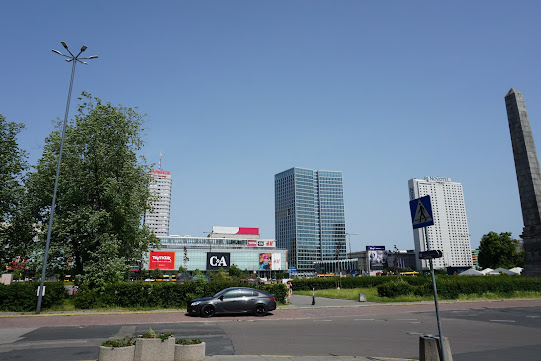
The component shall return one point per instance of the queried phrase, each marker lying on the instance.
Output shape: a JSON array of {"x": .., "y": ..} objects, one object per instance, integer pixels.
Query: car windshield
[{"x": 220, "y": 293}]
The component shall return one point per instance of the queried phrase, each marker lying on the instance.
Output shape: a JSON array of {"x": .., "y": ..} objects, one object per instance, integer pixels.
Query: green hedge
[
  {"x": 160, "y": 294},
  {"x": 342, "y": 282},
  {"x": 22, "y": 296},
  {"x": 450, "y": 287}
]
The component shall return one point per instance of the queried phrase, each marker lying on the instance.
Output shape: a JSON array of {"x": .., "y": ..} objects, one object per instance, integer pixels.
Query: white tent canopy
[{"x": 471, "y": 272}]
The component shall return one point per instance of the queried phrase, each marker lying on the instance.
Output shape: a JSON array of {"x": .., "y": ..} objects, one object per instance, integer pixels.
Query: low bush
[
  {"x": 123, "y": 342},
  {"x": 451, "y": 287},
  {"x": 159, "y": 294},
  {"x": 22, "y": 296},
  {"x": 183, "y": 341},
  {"x": 395, "y": 288}
]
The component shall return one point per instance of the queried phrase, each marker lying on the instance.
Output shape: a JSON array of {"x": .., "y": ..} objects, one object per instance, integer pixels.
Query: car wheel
[
  {"x": 260, "y": 310},
  {"x": 207, "y": 311}
]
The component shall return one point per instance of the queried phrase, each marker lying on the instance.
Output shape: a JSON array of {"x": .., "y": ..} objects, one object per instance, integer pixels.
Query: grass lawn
[{"x": 372, "y": 295}]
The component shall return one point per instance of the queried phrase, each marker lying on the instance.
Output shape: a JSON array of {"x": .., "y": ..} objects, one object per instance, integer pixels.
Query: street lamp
[
  {"x": 74, "y": 59},
  {"x": 349, "y": 238}
]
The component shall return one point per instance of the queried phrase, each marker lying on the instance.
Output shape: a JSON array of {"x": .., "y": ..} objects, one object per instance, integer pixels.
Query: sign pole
[
  {"x": 421, "y": 217},
  {"x": 435, "y": 297}
]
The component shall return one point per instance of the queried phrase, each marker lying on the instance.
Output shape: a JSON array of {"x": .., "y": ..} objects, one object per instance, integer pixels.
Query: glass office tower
[{"x": 309, "y": 216}]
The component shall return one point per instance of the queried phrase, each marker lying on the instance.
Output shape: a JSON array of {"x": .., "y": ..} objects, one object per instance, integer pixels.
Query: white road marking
[{"x": 503, "y": 321}]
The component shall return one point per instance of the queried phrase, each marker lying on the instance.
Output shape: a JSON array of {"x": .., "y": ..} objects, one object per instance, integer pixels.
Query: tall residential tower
[
  {"x": 160, "y": 188},
  {"x": 450, "y": 230},
  {"x": 309, "y": 215}
]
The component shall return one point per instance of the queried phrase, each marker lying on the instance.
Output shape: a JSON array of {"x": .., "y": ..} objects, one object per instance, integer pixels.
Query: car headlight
[{"x": 195, "y": 303}]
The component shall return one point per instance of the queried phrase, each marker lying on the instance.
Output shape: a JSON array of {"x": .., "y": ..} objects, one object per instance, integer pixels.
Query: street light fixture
[
  {"x": 74, "y": 59},
  {"x": 349, "y": 238}
]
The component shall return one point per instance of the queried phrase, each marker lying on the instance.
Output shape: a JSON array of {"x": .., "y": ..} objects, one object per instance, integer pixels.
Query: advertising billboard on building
[
  {"x": 276, "y": 262},
  {"x": 265, "y": 261},
  {"x": 215, "y": 261},
  {"x": 162, "y": 260},
  {"x": 235, "y": 230},
  {"x": 377, "y": 256}
]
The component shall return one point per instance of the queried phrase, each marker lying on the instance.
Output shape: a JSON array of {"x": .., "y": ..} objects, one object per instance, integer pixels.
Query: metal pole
[
  {"x": 435, "y": 297},
  {"x": 48, "y": 241}
]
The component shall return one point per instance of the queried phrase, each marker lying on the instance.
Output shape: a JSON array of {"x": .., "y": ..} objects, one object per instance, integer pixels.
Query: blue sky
[{"x": 237, "y": 91}]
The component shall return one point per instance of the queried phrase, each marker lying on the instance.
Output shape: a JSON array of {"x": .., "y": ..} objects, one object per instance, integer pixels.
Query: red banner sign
[{"x": 161, "y": 260}]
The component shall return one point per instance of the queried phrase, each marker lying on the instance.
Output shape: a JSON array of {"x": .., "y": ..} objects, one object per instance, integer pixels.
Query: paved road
[{"x": 503, "y": 330}]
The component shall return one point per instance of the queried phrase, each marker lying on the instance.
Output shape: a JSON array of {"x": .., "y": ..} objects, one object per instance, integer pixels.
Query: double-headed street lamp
[{"x": 74, "y": 59}]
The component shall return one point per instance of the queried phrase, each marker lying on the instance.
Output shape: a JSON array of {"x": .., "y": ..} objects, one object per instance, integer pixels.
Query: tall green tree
[
  {"x": 499, "y": 250},
  {"x": 15, "y": 224},
  {"x": 103, "y": 191}
]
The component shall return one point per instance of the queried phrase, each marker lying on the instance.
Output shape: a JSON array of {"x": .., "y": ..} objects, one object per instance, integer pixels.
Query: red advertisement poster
[{"x": 161, "y": 260}]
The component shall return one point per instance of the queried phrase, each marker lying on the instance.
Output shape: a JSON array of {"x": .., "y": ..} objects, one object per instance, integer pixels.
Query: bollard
[
  {"x": 429, "y": 348},
  {"x": 362, "y": 297}
]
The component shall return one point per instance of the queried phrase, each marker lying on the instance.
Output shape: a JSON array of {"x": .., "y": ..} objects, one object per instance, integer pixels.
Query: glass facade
[
  {"x": 309, "y": 216},
  {"x": 191, "y": 252}
]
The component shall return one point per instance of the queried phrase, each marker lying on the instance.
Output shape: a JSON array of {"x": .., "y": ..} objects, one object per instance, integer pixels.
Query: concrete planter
[
  {"x": 154, "y": 349},
  {"x": 190, "y": 352},
  {"x": 116, "y": 353}
]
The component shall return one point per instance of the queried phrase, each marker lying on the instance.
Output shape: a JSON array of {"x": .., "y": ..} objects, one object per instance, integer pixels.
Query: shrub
[
  {"x": 153, "y": 334},
  {"x": 395, "y": 288},
  {"x": 22, "y": 296},
  {"x": 183, "y": 341},
  {"x": 123, "y": 342},
  {"x": 159, "y": 294}
]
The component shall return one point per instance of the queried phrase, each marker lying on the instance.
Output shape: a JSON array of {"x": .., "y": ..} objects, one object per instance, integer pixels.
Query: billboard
[
  {"x": 261, "y": 243},
  {"x": 161, "y": 260},
  {"x": 276, "y": 262},
  {"x": 235, "y": 230},
  {"x": 215, "y": 261},
  {"x": 265, "y": 261},
  {"x": 377, "y": 256}
]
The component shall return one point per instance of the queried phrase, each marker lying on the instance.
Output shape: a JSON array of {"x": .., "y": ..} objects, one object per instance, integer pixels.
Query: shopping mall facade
[{"x": 224, "y": 247}]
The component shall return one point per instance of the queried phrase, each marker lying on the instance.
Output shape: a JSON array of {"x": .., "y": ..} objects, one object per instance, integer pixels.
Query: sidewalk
[
  {"x": 299, "y": 301},
  {"x": 299, "y": 358}
]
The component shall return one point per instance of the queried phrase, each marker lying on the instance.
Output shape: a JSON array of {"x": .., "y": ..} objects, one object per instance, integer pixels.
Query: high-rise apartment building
[
  {"x": 309, "y": 216},
  {"x": 160, "y": 187},
  {"x": 449, "y": 233}
]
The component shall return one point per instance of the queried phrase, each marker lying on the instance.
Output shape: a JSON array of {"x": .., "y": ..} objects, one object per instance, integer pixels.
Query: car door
[
  {"x": 247, "y": 300},
  {"x": 229, "y": 301}
]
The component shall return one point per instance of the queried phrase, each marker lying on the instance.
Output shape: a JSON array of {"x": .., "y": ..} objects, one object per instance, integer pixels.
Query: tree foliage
[
  {"x": 15, "y": 225},
  {"x": 103, "y": 192},
  {"x": 499, "y": 250},
  {"x": 235, "y": 271}
]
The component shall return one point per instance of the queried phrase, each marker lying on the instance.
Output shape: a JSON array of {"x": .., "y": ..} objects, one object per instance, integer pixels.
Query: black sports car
[{"x": 233, "y": 300}]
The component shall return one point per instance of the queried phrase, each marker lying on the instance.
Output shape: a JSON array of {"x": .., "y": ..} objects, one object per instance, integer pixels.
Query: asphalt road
[{"x": 495, "y": 331}]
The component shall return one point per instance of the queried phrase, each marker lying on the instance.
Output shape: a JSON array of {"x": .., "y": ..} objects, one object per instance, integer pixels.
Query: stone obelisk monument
[{"x": 528, "y": 178}]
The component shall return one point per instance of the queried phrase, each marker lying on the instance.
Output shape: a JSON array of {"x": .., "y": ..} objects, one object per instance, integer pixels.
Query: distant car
[{"x": 233, "y": 300}]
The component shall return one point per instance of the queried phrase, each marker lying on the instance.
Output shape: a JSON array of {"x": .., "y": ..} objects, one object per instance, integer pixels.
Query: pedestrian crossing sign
[{"x": 421, "y": 212}]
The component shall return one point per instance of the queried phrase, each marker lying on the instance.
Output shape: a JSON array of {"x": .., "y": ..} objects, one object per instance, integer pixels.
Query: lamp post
[
  {"x": 74, "y": 59},
  {"x": 349, "y": 239}
]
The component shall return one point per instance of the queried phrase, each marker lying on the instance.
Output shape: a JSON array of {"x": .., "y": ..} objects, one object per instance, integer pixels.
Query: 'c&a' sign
[{"x": 216, "y": 261}]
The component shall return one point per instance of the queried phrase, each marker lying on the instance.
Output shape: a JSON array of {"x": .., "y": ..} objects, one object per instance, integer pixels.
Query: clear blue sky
[{"x": 237, "y": 91}]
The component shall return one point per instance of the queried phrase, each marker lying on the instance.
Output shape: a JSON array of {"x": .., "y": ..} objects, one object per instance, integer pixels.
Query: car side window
[
  {"x": 255, "y": 294},
  {"x": 245, "y": 293},
  {"x": 231, "y": 294}
]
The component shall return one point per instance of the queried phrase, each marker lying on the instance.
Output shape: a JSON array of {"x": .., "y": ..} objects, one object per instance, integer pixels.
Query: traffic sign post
[{"x": 421, "y": 217}]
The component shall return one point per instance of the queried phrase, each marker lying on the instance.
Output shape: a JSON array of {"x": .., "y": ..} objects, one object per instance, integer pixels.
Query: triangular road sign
[{"x": 421, "y": 212}]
